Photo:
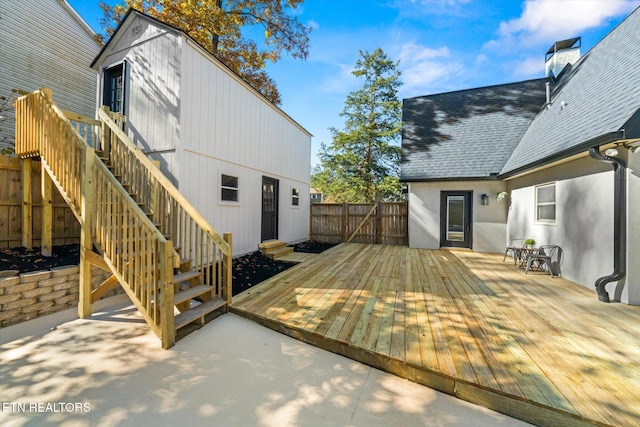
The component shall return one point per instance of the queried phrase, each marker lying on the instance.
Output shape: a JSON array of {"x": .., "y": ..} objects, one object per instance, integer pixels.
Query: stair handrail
[
  {"x": 164, "y": 182},
  {"x": 144, "y": 269}
]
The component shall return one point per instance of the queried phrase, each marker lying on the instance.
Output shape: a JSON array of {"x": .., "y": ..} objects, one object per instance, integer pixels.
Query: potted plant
[
  {"x": 530, "y": 243},
  {"x": 501, "y": 195}
]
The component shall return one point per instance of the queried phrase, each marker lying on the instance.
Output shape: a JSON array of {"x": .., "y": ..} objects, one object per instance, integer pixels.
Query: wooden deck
[{"x": 537, "y": 348}]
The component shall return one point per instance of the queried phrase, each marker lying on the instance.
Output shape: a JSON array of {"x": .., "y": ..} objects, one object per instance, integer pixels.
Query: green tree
[
  {"x": 362, "y": 162},
  {"x": 220, "y": 26}
]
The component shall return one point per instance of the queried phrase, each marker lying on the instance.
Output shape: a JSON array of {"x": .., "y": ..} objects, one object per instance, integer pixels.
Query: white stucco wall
[
  {"x": 489, "y": 221},
  {"x": 584, "y": 218},
  {"x": 631, "y": 291}
]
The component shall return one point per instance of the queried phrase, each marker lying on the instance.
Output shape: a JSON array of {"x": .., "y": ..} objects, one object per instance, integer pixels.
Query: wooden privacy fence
[
  {"x": 382, "y": 223},
  {"x": 66, "y": 228}
]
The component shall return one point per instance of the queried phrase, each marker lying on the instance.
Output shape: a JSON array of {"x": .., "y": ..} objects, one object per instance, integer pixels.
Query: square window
[
  {"x": 295, "y": 196},
  {"x": 229, "y": 188},
  {"x": 546, "y": 203}
]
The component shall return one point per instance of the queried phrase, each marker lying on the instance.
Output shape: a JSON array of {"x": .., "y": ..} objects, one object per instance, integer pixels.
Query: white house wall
[
  {"x": 228, "y": 128},
  {"x": 243, "y": 219},
  {"x": 152, "y": 103},
  {"x": 631, "y": 291},
  {"x": 43, "y": 44},
  {"x": 489, "y": 221},
  {"x": 584, "y": 217}
]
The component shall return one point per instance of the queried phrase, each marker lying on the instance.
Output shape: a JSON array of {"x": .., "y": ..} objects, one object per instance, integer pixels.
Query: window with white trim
[
  {"x": 229, "y": 188},
  {"x": 295, "y": 196},
  {"x": 546, "y": 203}
]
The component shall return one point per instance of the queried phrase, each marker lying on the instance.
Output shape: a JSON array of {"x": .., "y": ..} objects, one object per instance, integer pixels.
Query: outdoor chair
[
  {"x": 515, "y": 245},
  {"x": 547, "y": 258}
]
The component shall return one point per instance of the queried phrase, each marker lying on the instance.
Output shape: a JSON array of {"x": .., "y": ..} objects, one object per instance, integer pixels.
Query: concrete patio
[{"x": 232, "y": 372}]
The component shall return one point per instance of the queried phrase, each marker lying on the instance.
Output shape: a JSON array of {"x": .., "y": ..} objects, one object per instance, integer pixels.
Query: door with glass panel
[
  {"x": 269, "y": 208},
  {"x": 455, "y": 219}
]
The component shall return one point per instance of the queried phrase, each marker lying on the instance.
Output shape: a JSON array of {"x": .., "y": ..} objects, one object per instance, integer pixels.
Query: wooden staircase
[
  {"x": 161, "y": 251},
  {"x": 275, "y": 249}
]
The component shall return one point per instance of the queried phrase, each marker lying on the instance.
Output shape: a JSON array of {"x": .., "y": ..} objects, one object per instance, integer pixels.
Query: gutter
[
  {"x": 603, "y": 139},
  {"x": 619, "y": 223}
]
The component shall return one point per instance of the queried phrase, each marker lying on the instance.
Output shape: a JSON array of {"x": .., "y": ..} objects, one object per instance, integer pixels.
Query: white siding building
[
  {"x": 239, "y": 159},
  {"x": 45, "y": 43}
]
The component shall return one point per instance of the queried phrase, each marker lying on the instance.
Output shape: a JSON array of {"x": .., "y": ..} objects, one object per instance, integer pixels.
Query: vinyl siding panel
[
  {"x": 243, "y": 219},
  {"x": 228, "y": 128},
  {"x": 152, "y": 103},
  {"x": 43, "y": 45}
]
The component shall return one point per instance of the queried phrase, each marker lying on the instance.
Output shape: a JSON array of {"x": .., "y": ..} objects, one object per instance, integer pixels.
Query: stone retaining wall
[{"x": 29, "y": 295}]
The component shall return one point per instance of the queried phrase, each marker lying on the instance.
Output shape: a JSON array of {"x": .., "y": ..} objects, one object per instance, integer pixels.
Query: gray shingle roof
[
  {"x": 467, "y": 134},
  {"x": 600, "y": 94}
]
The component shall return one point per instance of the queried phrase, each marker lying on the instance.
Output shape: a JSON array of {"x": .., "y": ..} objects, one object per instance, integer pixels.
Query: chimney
[{"x": 560, "y": 55}]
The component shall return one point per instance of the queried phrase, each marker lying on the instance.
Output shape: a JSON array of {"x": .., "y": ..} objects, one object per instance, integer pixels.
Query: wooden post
[
  {"x": 46, "y": 187},
  {"x": 345, "y": 221},
  {"x": 86, "y": 210},
  {"x": 379, "y": 223},
  {"x": 167, "y": 319},
  {"x": 27, "y": 204},
  {"x": 154, "y": 197},
  {"x": 227, "y": 263},
  {"x": 106, "y": 134}
]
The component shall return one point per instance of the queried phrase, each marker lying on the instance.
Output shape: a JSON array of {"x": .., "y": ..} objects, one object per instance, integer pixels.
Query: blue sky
[{"x": 442, "y": 45}]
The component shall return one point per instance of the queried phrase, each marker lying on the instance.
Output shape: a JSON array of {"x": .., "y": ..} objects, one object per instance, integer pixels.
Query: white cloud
[
  {"x": 342, "y": 82},
  {"x": 529, "y": 67},
  {"x": 313, "y": 24},
  {"x": 481, "y": 58},
  {"x": 424, "y": 68},
  {"x": 551, "y": 20}
]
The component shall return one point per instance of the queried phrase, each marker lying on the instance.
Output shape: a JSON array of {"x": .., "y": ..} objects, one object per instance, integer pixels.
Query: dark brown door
[
  {"x": 269, "y": 208},
  {"x": 455, "y": 219}
]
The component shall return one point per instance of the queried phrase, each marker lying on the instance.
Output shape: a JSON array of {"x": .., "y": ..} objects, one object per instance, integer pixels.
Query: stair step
[
  {"x": 198, "y": 312},
  {"x": 185, "y": 261},
  {"x": 191, "y": 293},
  {"x": 271, "y": 244},
  {"x": 277, "y": 253},
  {"x": 183, "y": 277}
]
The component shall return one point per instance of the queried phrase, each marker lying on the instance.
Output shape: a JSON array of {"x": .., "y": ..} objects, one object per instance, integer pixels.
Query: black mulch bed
[
  {"x": 312, "y": 247},
  {"x": 253, "y": 268},
  {"x": 26, "y": 260},
  {"x": 248, "y": 270}
]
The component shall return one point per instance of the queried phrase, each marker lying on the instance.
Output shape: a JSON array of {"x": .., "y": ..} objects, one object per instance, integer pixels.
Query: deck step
[
  {"x": 198, "y": 312},
  {"x": 271, "y": 244},
  {"x": 277, "y": 253},
  {"x": 191, "y": 293},
  {"x": 188, "y": 275},
  {"x": 185, "y": 262}
]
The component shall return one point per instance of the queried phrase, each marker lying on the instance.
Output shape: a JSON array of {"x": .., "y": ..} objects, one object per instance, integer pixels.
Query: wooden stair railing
[
  {"x": 201, "y": 247},
  {"x": 141, "y": 257}
]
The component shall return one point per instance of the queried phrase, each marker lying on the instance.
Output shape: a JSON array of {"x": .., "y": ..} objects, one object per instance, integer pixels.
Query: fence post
[
  {"x": 345, "y": 221},
  {"x": 379, "y": 223},
  {"x": 86, "y": 244},
  {"x": 167, "y": 319},
  {"x": 46, "y": 187},
  {"x": 27, "y": 204},
  {"x": 227, "y": 263}
]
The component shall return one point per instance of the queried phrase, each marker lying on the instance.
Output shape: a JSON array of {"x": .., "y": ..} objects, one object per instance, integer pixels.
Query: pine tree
[{"x": 362, "y": 163}]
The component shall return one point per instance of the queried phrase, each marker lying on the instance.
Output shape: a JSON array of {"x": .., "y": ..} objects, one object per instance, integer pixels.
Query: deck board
[{"x": 538, "y": 348}]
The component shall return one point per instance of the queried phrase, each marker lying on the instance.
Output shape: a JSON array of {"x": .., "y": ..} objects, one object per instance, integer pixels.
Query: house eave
[
  {"x": 451, "y": 179},
  {"x": 566, "y": 155}
]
